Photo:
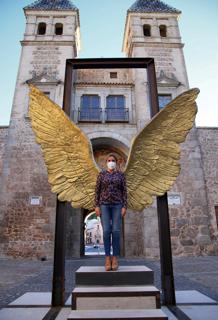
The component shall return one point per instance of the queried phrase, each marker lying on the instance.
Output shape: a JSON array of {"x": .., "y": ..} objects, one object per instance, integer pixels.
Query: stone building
[{"x": 110, "y": 106}]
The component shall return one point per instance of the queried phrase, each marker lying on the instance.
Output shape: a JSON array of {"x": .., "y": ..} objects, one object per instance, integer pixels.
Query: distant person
[{"x": 111, "y": 206}]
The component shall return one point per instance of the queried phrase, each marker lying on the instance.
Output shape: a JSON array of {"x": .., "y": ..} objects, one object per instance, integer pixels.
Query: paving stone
[
  {"x": 33, "y": 298},
  {"x": 168, "y": 313},
  {"x": 117, "y": 314},
  {"x": 192, "y": 296},
  {"x": 201, "y": 312},
  {"x": 23, "y": 313},
  {"x": 18, "y": 277},
  {"x": 63, "y": 314}
]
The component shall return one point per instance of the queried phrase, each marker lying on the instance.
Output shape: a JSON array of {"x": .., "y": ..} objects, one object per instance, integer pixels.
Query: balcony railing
[
  {"x": 103, "y": 115},
  {"x": 90, "y": 114},
  {"x": 116, "y": 114}
]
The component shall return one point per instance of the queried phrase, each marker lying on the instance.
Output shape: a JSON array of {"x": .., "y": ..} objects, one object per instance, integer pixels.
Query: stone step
[
  {"x": 115, "y": 297},
  {"x": 125, "y": 275},
  {"x": 117, "y": 314}
]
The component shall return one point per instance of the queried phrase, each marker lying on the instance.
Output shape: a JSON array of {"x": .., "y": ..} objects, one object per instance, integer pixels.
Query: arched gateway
[{"x": 102, "y": 146}]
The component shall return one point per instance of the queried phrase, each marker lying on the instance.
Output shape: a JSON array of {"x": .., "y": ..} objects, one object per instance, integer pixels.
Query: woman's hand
[
  {"x": 123, "y": 212},
  {"x": 98, "y": 211}
]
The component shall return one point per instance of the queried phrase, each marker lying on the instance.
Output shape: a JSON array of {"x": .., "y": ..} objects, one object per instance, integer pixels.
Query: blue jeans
[{"x": 111, "y": 224}]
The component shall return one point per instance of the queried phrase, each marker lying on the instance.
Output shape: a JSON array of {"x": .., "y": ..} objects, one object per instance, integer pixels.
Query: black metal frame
[{"x": 58, "y": 289}]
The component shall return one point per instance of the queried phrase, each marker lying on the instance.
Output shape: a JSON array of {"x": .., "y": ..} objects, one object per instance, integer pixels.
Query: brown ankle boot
[
  {"x": 107, "y": 263},
  {"x": 114, "y": 263}
]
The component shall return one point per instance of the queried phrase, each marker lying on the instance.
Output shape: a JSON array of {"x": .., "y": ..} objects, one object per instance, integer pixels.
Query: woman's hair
[{"x": 111, "y": 155}]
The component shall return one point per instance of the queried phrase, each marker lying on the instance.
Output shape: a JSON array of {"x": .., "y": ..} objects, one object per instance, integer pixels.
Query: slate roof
[
  {"x": 51, "y": 5},
  {"x": 152, "y": 6}
]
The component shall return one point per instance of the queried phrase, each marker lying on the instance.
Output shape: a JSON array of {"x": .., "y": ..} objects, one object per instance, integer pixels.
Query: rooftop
[
  {"x": 152, "y": 6},
  {"x": 51, "y": 5}
]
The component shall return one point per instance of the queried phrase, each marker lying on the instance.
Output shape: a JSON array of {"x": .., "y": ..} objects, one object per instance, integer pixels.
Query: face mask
[{"x": 111, "y": 165}]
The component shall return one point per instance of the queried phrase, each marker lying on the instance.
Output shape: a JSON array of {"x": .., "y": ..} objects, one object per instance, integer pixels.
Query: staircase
[{"x": 127, "y": 293}]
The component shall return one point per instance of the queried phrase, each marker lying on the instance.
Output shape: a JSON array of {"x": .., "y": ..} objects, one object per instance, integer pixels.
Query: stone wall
[
  {"x": 192, "y": 216},
  {"x": 27, "y": 228},
  {"x": 208, "y": 138},
  {"x": 103, "y": 76},
  {"x": 190, "y": 219},
  {"x": 3, "y": 137}
]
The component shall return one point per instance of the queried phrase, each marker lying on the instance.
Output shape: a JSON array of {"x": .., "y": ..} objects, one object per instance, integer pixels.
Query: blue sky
[{"x": 102, "y": 26}]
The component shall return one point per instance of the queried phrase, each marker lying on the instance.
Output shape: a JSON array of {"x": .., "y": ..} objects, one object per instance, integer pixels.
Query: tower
[
  {"x": 27, "y": 205},
  {"x": 152, "y": 30}
]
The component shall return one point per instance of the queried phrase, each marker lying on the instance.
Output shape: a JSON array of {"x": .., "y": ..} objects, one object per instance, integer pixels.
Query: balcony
[
  {"x": 103, "y": 115},
  {"x": 90, "y": 115},
  {"x": 116, "y": 115}
]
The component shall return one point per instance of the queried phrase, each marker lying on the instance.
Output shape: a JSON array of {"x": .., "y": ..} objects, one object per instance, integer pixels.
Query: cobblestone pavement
[{"x": 20, "y": 276}]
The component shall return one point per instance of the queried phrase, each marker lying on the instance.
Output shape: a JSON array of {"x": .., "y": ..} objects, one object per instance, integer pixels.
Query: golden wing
[
  {"x": 67, "y": 151},
  {"x": 153, "y": 162}
]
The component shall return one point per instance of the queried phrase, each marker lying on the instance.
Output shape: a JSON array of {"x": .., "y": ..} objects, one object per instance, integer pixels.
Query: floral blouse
[{"x": 111, "y": 187}]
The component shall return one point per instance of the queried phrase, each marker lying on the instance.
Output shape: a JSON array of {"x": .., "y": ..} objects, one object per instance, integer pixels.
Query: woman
[{"x": 111, "y": 205}]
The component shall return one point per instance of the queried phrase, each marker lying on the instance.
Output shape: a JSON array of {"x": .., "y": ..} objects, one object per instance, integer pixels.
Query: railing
[
  {"x": 89, "y": 115},
  {"x": 116, "y": 114},
  {"x": 103, "y": 115}
]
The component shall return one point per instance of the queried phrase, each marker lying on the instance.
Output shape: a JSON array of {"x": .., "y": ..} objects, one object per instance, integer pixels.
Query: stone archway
[
  {"x": 132, "y": 240},
  {"x": 102, "y": 146}
]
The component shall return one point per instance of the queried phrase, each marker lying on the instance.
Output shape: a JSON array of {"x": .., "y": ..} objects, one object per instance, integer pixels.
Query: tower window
[
  {"x": 58, "y": 29},
  {"x": 147, "y": 30},
  {"x": 41, "y": 28},
  {"x": 164, "y": 99},
  {"x": 163, "y": 31},
  {"x": 47, "y": 93},
  {"x": 113, "y": 75}
]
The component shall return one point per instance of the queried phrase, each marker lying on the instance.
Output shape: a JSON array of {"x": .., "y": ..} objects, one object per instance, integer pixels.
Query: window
[
  {"x": 113, "y": 75},
  {"x": 59, "y": 29},
  {"x": 147, "y": 30},
  {"x": 216, "y": 212},
  {"x": 90, "y": 108},
  {"x": 41, "y": 28},
  {"x": 163, "y": 31},
  {"x": 90, "y": 101},
  {"x": 115, "y": 101},
  {"x": 115, "y": 108},
  {"x": 47, "y": 93},
  {"x": 164, "y": 99}
]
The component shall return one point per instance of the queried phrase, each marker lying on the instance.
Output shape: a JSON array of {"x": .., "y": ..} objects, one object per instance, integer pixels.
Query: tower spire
[
  {"x": 152, "y": 6},
  {"x": 51, "y": 5}
]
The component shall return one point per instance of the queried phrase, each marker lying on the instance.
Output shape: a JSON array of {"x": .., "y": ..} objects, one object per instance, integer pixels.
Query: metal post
[
  {"x": 167, "y": 277},
  {"x": 58, "y": 288}
]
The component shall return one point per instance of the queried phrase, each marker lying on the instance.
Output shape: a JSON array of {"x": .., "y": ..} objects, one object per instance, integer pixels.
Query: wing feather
[
  {"x": 72, "y": 171},
  {"x": 153, "y": 162}
]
